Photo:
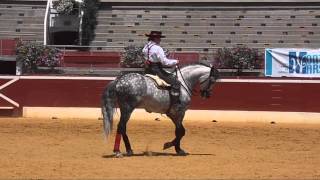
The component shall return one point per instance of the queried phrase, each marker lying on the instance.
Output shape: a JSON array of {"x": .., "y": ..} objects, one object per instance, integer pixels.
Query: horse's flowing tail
[{"x": 108, "y": 106}]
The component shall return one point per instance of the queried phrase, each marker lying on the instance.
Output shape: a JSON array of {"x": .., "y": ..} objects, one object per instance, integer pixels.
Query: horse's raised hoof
[
  {"x": 182, "y": 153},
  {"x": 118, "y": 154},
  {"x": 130, "y": 153},
  {"x": 167, "y": 145}
]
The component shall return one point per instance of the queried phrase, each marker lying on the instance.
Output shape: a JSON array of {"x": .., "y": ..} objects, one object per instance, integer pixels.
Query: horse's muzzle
[{"x": 205, "y": 94}]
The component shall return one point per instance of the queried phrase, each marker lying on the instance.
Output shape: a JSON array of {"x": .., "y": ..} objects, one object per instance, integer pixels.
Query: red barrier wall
[
  {"x": 112, "y": 59},
  {"x": 229, "y": 94},
  {"x": 7, "y": 47},
  {"x": 89, "y": 58}
]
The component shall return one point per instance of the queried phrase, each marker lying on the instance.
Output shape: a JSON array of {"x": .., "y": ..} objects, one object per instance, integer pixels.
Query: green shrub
[
  {"x": 132, "y": 56},
  {"x": 31, "y": 55},
  {"x": 237, "y": 58}
]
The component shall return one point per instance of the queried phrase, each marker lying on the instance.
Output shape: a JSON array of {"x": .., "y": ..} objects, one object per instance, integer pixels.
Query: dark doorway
[
  {"x": 65, "y": 38},
  {"x": 8, "y": 67}
]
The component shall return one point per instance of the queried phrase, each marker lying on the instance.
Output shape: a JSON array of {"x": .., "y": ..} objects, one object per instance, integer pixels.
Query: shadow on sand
[{"x": 151, "y": 153}]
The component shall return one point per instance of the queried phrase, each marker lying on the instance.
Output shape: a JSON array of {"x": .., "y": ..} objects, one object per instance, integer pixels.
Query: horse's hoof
[
  {"x": 167, "y": 145},
  {"x": 182, "y": 153},
  {"x": 129, "y": 153},
  {"x": 118, "y": 155}
]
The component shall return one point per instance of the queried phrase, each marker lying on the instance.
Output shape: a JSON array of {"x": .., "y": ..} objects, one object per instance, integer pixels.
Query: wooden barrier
[
  {"x": 7, "y": 47},
  {"x": 255, "y": 94}
]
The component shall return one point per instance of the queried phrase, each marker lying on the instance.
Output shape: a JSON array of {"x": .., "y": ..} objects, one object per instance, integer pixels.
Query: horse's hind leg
[{"x": 122, "y": 131}]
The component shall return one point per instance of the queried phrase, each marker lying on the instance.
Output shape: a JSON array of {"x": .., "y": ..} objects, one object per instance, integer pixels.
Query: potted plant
[
  {"x": 238, "y": 58},
  {"x": 66, "y": 7},
  {"x": 31, "y": 56},
  {"x": 132, "y": 57}
]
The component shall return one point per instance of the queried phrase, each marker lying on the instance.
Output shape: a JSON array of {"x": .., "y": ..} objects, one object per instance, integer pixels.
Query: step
[{"x": 6, "y": 107}]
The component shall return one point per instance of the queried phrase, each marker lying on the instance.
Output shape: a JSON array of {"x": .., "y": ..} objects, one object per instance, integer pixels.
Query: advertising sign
[{"x": 285, "y": 62}]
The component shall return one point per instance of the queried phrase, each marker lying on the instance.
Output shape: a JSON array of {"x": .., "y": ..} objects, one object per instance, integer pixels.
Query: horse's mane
[{"x": 195, "y": 63}]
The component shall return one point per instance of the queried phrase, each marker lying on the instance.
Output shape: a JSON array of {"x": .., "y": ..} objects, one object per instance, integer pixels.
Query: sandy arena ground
[{"x": 76, "y": 149}]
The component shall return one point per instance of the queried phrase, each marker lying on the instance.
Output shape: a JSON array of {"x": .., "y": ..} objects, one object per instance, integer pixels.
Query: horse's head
[
  {"x": 203, "y": 73},
  {"x": 207, "y": 81}
]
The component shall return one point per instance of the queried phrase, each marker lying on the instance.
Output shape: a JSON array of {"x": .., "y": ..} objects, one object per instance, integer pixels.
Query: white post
[
  {"x": 80, "y": 23},
  {"x": 46, "y": 23}
]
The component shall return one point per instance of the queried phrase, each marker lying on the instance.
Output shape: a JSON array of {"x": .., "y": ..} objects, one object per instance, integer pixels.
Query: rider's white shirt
[{"x": 156, "y": 54}]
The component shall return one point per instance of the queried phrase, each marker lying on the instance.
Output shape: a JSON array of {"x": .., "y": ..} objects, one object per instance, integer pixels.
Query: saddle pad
[{"x": 160, "y": 82}]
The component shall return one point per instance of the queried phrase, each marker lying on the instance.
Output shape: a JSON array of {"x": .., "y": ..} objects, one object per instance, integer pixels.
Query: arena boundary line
[{"x": 191, "y": 115}]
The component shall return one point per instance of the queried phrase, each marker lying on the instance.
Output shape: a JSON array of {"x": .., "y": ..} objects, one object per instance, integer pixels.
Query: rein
[{"x": 188, "y": 89}]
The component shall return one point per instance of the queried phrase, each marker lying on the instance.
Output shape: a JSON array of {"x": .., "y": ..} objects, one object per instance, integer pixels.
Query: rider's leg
[
  {"x": 175, "y": 92},
  {"x": 175, "y": 84}
]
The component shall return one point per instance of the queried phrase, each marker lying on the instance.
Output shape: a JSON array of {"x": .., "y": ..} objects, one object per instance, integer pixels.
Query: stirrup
[{"x": 175, "y": 93}]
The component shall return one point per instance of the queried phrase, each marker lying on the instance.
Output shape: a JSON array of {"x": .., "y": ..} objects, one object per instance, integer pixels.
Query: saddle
[{"x": 159, "y": 82}]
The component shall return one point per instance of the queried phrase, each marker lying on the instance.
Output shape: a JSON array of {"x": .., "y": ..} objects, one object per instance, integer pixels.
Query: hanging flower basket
[{"x": 66, "y": 7}]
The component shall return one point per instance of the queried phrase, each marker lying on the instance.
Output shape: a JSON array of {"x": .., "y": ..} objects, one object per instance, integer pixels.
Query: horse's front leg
[{"x": 179, "y": 132}]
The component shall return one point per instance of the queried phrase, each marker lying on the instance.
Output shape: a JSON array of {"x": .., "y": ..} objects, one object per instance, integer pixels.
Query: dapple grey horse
[{"x": 135, "y": 90}]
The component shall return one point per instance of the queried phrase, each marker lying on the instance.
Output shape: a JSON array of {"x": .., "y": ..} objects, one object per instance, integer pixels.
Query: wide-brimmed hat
[{"x": 155, "y": 34}]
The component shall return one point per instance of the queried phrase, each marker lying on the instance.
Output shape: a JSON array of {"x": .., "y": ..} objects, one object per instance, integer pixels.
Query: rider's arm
[
  {"x": 164, "y": 60},
  {"x": 145, "y": 52}
]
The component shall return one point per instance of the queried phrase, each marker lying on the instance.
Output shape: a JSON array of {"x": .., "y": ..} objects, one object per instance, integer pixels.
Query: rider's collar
[{"x": 152, "y": 43}]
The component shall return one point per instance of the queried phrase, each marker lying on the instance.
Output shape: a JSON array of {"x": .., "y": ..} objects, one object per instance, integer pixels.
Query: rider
[{"x": 156, "y": 59}]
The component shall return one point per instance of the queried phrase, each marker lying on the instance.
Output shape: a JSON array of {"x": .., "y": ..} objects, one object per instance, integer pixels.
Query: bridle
[{"x": 211, "y": 79}]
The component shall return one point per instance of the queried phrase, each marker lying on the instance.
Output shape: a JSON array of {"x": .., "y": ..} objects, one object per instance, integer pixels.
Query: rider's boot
[{"x": 175, "y": 99}]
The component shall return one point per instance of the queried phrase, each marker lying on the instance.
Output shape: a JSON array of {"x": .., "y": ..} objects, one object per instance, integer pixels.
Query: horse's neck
[{"x": 192, "y": 74}]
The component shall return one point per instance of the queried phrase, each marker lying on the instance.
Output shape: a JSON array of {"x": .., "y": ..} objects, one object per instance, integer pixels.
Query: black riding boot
[{"x": 175, "y": 98}]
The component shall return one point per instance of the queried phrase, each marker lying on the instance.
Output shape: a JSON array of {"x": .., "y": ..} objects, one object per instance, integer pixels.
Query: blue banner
[{"x": 284, "y": 62}]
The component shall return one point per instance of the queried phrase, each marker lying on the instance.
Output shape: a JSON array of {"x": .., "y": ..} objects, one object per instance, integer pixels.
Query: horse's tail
[{"x": 108, "y": 106}]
